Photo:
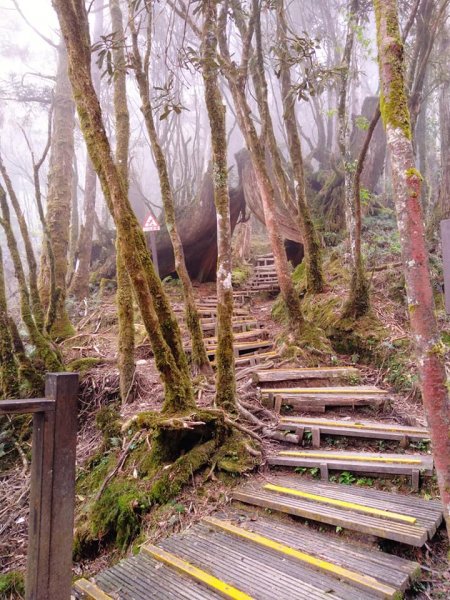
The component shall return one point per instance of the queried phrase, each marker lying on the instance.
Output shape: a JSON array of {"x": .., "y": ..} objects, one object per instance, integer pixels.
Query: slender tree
[
  {"x": 407, "y": 186},
  {"x": 59, "y": 197},
  {"x": 79, "y": 286},
  {"x": 124, "y": 288},
  {"x": 158, "y": 318},
  {"x": 142, "y": 70},
  {"x": 225, "y": 377},
  {"x": 9, "y": 373}
]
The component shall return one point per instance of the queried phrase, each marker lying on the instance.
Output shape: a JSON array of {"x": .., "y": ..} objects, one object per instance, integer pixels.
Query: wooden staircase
[{"x": 261, "y": 546}]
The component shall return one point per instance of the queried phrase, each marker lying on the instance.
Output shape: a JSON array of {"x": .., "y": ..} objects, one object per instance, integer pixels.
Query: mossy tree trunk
[
  {"x": 158, "y": 318},
  {"x": 311, "y": 242},
  {"x": 9, "y": 374},
  {"x": 124, "y": 288},
  {"x": 79, "y": 286},
  {"x": 59, "y": 197},
  {"x": 141, "y": 68},
  {"x": 358, "y": 302},
  {"x": 36, "y": 305},
  {"x": 407, "y": 186},
  {"x": 236, "y": 77},
  {"x": 42, "y": 344},
  {"x": 225, "y": 375}
]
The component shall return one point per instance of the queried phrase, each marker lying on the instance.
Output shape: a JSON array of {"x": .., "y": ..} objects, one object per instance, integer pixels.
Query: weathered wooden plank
[
  {"x": 414, "y": 535},
  {"x": 357, "y": 390},
  {"x": 219, "y": 586},
  {"x": 27, "y": 406},
  {"x": 355, "y": 578},
  {"x": 52, "y": 496},
  {"x": 364, "y": 429},
  {"x": 90, "y": 590},
  {"x": 270, "y": 375}
]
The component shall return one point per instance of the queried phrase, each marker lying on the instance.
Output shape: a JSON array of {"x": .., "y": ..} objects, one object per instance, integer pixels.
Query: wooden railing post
[{"x": 52, "y": 495}]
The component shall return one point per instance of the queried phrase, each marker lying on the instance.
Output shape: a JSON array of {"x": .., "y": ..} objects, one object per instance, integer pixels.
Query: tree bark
[
  {"x": 407, "y": 185},
  {"x": 311, "y": 242},
  {"x": 199, "y": 357},
  {"x": 225, "y": 368},
  {"x": 236, "y": 79},
  {"x": 59, "y": 197},
  {"x": 9, "y": 374},
  {"x": 124, "y": 289},
  {"x": 158, "y": 318},
  {"x": 36, "y": 305}
]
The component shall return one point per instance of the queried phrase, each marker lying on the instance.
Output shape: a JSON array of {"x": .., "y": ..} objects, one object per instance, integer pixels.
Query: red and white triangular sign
[{"x": 151, "y": 224}]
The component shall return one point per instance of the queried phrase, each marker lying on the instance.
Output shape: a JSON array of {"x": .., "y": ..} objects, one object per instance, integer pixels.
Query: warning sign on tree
[{"x": 151, "y": 224}]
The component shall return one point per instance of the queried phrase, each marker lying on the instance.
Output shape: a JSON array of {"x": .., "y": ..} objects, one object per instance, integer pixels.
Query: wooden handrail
[{"x": 52, "y": 493}]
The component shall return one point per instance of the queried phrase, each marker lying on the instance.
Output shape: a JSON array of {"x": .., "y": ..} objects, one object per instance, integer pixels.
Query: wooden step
[
  {"x": 256, "y": 358},
  {"x": 382, "y": 514},
  {"x": 317, "y": 399},
  {"x": 238, "y": 325},
  {"x": 252, "y": 570},
  {"x": 410, "y": 465},
  {"x": 388, "y": 569},
  {"x": 271, "y": 375},
  {"x": 362, "y": 429},
  {"x": 246, "y": 348},
  {"x": 322, "y": 553},
  {"x": 261, "y": 334}
]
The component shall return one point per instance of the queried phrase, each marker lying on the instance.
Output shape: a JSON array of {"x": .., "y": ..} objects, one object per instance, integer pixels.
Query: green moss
[
  {"x": 82, "y": 365},
  {"x": 234, "y": 457},
  {"x": 11, "y": 583},
  {"x": 108, "y": 421},
  {"x": 240, "y": 275},
  {"x": 394, "y": 105},
  {"x": 413, "y": 172},
  {"x": 117, "y": 513}
]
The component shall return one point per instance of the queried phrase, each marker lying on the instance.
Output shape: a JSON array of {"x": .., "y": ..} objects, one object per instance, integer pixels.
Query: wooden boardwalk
[
  {"x": 243, "y": 556},
  {"x": 245, "y": 553}
]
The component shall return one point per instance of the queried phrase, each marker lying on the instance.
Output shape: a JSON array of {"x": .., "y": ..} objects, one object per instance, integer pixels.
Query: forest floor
[{"x": 94, "y": 346}]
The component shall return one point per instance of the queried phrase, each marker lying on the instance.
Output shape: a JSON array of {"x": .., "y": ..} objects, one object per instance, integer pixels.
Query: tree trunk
[
  {"x": 225, "y": 368},
  {"x": 407, "y": 185},
  {"x": 80, "y": 282},
  {"x": 9, "y": 374},
  {"x": 245, "y": 121},
  {"x": 59, "y": 197},
  {"x": 159, "y": 320},
  {"x": 41, "y": 343},
  {"x": 313, "y": 251},
  {"x": 199, "y": 357},
  {"x": 443, "y": 211},
  {"x": 36, "y": 305},
  {"x": 358, "y": 302},
  {"x": 124, "y": 290}
]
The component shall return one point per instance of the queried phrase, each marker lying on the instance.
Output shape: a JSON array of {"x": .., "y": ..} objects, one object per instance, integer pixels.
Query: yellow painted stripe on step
[
  {"x": 341, "y": 503},
  {"x": 352, "y": 425},
  {"x": 377, "y": 459},
  {"x": 366, "y": 581},
  {"x": 90, "y": 590},
  {"x": 325, "y": 390},
  {"x": 224, "y": 589}
]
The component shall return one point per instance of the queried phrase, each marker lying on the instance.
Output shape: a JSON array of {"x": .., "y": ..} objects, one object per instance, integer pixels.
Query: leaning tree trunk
[
  {"x": 311, "y": 242},
  {"x": 9, "y": 374},
  {"x": 407, "y": 185},
  {"x": 358, "y": 301},
  {"x": 80, "y": 281},
  {"x": 124, "y": 288},
  {"x": 199, "y": 356},
  {"x": 36, "y": 305},
  {"x": 225, "y": 378},
  {"x": 247, "y": 127},
  {"x": 38, "y": 339},
  {"x": 159, "y": 320},
  {"x": 59, "y": 197}
]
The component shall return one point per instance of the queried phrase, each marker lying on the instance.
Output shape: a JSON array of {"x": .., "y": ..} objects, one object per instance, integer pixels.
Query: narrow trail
[{"x": 267, "y": 542}]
